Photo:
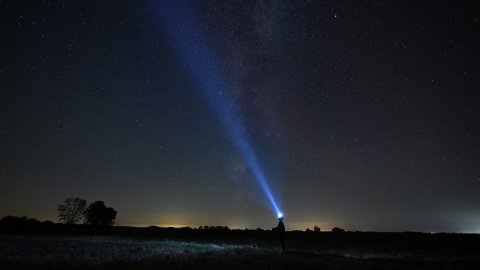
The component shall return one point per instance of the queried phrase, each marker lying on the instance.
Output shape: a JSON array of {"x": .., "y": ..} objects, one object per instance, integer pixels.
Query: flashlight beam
[{"x": 188, "y": 38}]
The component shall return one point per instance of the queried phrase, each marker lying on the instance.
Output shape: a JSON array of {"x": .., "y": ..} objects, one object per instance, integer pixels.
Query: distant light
[{"x": 280, "y": 215}]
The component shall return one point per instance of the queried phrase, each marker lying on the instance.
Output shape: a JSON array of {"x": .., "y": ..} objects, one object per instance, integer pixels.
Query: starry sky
[{"x": 363, "y": 114}]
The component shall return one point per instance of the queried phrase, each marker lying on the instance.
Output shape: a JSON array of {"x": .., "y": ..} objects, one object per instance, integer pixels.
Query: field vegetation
[{"x": 61, "y": 246}]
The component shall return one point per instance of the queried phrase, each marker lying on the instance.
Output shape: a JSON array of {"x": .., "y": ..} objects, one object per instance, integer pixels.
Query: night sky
[{"x": 363, "y": 114}]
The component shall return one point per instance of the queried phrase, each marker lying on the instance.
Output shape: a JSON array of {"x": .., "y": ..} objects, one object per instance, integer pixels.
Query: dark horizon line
[{"x": 33, "y": 222}]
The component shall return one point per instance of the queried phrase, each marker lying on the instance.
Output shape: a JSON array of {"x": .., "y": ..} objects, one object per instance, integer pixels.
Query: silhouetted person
[{"x": 281, "y": 232}]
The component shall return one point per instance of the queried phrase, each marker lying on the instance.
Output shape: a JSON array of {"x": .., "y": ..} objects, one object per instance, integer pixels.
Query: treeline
[
  {"x": 13, "y": 221},
  {"x": 72, "y": 211}
]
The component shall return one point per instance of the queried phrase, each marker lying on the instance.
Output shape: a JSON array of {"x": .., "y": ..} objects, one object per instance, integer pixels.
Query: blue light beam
[{"x": 187, "y": 36}]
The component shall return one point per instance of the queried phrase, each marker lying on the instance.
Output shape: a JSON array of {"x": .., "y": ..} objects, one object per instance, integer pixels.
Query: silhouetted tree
[
  {"x": 337, "y": 230},
  {"x": 98, "y": 214},
  {"x": 71, "y": 210},
  {"x": 48, "y": 223},
  {"x": 12, "y": 221},
  {"x": 316, "y": 229}
]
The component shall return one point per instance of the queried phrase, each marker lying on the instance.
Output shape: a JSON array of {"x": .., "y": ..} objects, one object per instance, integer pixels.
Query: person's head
[{"x": 280, "y": 219}]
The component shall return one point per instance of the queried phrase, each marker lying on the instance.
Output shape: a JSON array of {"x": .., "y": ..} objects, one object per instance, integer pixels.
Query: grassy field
[{"x": 41, "y": 251}]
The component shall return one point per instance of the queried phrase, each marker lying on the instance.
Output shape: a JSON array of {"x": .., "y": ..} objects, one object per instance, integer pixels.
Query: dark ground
[{"x": 80, "y": 247}]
